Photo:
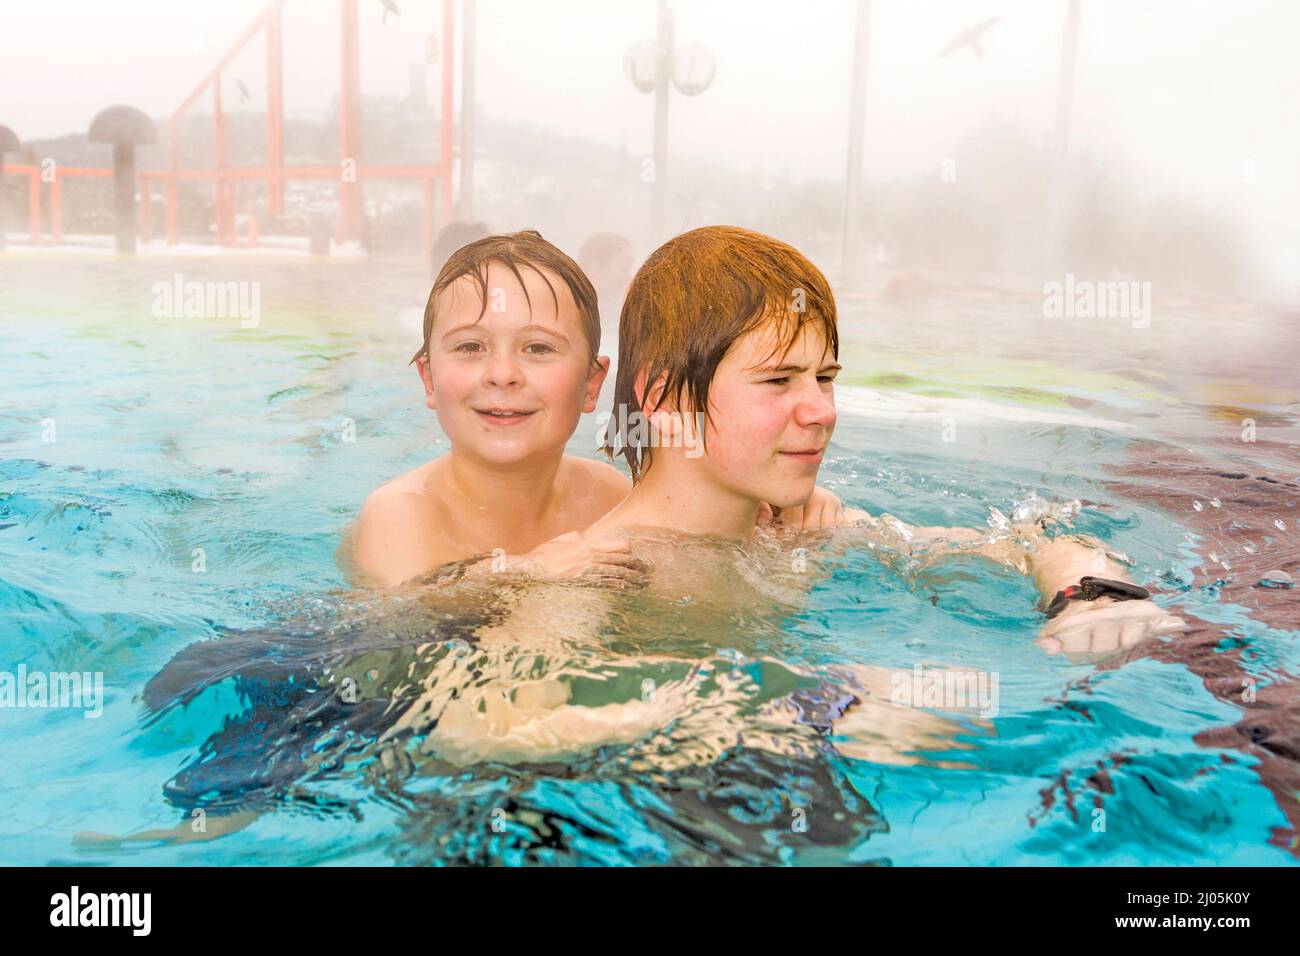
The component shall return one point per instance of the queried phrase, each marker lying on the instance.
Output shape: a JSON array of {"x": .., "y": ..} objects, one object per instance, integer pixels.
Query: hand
[
  {"x": 1100, "y": 628},
  {"x": 571, "y": 557},
  {"x": 823, "y": 510}
]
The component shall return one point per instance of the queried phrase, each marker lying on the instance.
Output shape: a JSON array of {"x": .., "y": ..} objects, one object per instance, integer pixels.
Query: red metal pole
[
  {"x": 34, "y": 205},
  {"x": 217, "y": 139},
  {"x": 56, "y": 209},
  {"x": 350, "y": 125},
  {"x": 145, "y": 210},
  {"x": 448, "y": 54},
  {"x": 274, "y": 110},
  {"x": 172, "y": 197}
]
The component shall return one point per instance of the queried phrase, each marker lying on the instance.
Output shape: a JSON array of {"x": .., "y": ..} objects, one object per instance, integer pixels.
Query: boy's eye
[
  {"x": 467, "y": 347},
  {"x": 826, "y": 378},
  {"x": 775, "y": 381},
  {"x": 539, "y": 348}
]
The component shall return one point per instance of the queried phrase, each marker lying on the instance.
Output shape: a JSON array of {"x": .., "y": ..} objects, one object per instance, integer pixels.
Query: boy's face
[
  {"x": 511, "y": 385},
  {"x": 771, "y": 416}
]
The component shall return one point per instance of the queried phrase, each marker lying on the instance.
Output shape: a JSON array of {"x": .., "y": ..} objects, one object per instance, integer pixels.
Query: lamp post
[
  {"x": 124, "y": 127},
  {"x": 1054, "y": 246},
  {"x": 857, "y": 125},
  {"x": 651, "y": 66}
]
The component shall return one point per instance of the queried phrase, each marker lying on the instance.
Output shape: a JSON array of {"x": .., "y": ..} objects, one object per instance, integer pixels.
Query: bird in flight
[{"x": 971, "y": 38}]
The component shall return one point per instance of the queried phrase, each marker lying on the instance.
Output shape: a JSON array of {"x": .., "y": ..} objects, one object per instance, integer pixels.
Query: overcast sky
[{"x": 1184, "y": 96}]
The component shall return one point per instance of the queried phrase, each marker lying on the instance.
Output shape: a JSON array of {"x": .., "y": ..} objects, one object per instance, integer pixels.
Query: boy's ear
[
  {"x": 648, "y": 397},
  {"x": 595, "y": 380},
  {"x": 422, "y": 366},
  {"x": 660, "y": 413}
]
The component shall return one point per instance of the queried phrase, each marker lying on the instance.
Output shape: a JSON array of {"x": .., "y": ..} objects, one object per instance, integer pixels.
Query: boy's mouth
[
  {"x": 504, "y": 416},
  {"x": 810, "y": 456}
]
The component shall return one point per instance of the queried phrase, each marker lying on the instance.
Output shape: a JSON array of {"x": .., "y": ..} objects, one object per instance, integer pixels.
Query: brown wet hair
[{"x": 516, "y": 250}]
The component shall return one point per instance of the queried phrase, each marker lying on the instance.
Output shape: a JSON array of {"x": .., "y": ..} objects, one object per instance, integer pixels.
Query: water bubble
[
  {"x": 1215, "y": 502},
  {"x": 1279, "y": 524},
  {"x": 1276, "y": 579},
  {"x": 1198, "y": 506},
  {"x": 1249, "y": 547}
]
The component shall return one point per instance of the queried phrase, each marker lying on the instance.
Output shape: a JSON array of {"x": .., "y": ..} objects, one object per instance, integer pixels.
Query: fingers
[
  {"x": 1170, "y": 625},
  {"x": 609, "y": 544},
  {"x": 791, "y": 517},
  {"x": 1104, "y": 638},
  {"x": 607, "y": 562},
  {"x": 1105, "y": 629},
  {"x": 1049, "y": 644},
  {"x": 614, "y": 575},
  {"x": 1131, "y": 633}
]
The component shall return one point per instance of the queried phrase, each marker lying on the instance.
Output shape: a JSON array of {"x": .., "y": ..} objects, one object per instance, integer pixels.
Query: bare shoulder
[
  {"x": 396, "y": 535},
  {"x": 403, "y": 498}
]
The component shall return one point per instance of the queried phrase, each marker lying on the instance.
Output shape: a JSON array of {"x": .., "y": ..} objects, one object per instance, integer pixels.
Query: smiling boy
[{"x": 509, "y": 362}]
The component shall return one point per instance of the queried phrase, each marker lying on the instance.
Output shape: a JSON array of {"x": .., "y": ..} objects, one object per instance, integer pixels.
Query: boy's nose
[
  {"x": 816, "y": 409},
  {"x": 502, "y": 370}
]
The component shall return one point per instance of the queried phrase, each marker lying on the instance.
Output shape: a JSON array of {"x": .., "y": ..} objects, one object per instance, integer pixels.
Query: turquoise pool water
[{"x": 163, "y": 484}]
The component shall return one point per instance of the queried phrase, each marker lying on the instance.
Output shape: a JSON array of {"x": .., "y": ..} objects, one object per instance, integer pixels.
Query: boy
[{"x": 509, "y": 362}]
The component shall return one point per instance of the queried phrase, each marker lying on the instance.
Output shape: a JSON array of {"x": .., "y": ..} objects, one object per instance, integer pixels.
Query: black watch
[{"x": 1090, "y": 588}]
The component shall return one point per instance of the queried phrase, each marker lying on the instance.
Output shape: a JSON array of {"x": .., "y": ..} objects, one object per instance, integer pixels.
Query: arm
[
  {"x": 393, "y": 542},
  {"x": 1099, "y": 627}
]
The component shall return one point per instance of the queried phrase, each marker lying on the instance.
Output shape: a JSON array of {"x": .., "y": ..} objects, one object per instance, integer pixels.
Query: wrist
[
  {"x": 1062, "y": 562},
  {"x": 1092, "y": 590}
]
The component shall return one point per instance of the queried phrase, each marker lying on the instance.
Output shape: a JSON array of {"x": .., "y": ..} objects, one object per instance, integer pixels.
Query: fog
[{"x": 1184, "y": 134}]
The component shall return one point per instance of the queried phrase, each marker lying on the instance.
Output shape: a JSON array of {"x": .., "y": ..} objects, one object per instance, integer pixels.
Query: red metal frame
[
  {"x": 33, "y": 174},
  {"x": 228, "y": 180}
]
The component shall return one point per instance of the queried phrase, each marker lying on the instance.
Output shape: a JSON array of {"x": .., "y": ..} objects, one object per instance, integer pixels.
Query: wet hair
[
  {"x": 687, "y": 306},
  {"x": 516, "y": 250}
]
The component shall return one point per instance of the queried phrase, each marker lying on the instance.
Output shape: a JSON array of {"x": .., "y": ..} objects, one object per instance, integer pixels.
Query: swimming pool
[{"x": 164, "y": 482}]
